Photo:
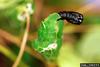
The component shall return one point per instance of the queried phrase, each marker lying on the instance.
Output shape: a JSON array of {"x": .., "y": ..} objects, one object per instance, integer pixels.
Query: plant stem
[
  {"x": 23, "y": 41},
  {"x": 16, "y": 40},
  {"x": 9, "y": 54}
]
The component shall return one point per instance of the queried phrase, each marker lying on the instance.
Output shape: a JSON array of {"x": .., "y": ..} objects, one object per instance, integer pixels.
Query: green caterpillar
[{"x": 49, "y": 39}]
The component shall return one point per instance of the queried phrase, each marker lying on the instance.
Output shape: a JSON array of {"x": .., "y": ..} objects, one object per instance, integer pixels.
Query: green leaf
[
  {"x": 49, "y": 38},
  {"x": 9, "y": 15}
]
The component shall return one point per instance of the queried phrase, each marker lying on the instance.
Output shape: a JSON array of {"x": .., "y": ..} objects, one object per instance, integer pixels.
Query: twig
[
  {"x": 13, "y": 39},
  {"x": 9, "y": 54},
  {"x": 9, "y": 37},
  {"x": 23, "y": 41},
  {"x": 38, "y": 12}
]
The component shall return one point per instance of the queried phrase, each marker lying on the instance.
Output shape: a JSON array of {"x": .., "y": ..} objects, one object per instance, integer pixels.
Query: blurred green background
[{"x": 81, "y": 43}]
